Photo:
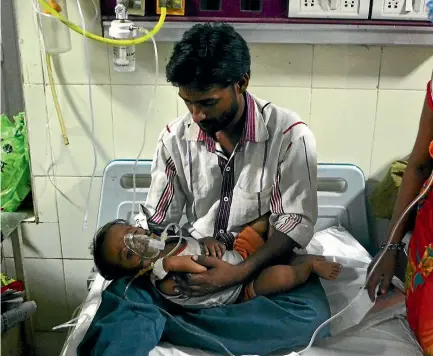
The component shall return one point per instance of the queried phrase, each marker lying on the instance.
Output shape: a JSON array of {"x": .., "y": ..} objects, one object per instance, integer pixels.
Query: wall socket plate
[
  {"x": 404, "y": 10},
  {"x": 337, "y": 9}
]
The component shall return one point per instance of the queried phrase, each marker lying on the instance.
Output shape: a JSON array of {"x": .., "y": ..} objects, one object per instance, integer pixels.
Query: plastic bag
[
  {"x": 15, "y": 168},
  {"x": 385, "y": 194}
]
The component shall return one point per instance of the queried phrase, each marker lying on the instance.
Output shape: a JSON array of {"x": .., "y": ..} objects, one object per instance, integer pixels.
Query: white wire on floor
[
  {"x": 92, "y": 117},
  {"x": 146, "y": 117}
]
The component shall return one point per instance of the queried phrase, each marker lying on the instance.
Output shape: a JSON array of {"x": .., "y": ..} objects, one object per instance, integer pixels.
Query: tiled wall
[{"x": 363, "y": 103}]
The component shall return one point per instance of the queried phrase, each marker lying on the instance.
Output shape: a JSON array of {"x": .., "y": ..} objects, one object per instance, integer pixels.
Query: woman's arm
[
  {"x": 418, "y": 168},
  {"x": 415, "y": 174}
]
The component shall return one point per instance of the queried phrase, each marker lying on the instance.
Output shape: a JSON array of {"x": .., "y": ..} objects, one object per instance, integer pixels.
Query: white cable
[
  {"x": 47, "y": 120},
  {"x": 38, "y": 11},
  {"x": 146, "y": 116},
  {"x": 89, "y": 83},
  {"x": 164, "y": 236},
  {"x": 423, "y": 192}
]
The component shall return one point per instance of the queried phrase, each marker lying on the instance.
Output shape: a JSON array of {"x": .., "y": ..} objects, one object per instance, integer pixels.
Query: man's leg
[
  {"x": 125, "y": 327},
  {"x": 260, "y": 326}
]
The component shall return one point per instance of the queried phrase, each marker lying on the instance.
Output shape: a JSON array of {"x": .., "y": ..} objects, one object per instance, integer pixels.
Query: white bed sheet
[{"x": 386, "y": 334}]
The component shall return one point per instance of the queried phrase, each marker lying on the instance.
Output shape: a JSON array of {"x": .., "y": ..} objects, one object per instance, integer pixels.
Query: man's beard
[{"x": 212, "y": 125}]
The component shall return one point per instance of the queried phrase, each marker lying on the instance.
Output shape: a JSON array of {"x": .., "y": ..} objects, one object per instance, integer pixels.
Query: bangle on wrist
[{"x": 393, "y": 247}]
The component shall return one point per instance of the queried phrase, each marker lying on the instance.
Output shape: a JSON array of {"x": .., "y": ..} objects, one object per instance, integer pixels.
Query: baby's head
[{"x": 110, "y": 254}]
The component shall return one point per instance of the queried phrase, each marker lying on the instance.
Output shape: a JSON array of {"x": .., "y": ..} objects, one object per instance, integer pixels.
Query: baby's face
[{"x": 117, "y": 254}]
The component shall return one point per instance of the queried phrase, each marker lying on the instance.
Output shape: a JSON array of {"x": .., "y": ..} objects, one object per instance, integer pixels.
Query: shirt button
[
  {"x": 221, "y": 231},
  {"x": 226, "y": 199},
  {"x": 228, "y": 169}
]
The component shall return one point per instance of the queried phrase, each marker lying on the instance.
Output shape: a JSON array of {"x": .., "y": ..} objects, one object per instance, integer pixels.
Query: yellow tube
[
  {"x": 56, "y": 99},
  {"x": 110, "y": 41}
]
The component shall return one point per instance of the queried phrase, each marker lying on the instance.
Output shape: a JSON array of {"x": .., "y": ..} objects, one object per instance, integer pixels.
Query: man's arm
[
  {"x": 293, "y": 207},
  {"x": 166, "y": 199},
  {"x": 293, "y": 215}
]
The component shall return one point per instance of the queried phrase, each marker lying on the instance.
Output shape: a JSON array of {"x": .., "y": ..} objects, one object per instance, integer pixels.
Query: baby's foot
[{"x": 325, "y": 269}]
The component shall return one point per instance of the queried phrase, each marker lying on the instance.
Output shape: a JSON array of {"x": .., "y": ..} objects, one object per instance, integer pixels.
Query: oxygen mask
[{"x": 143, "y": 245}]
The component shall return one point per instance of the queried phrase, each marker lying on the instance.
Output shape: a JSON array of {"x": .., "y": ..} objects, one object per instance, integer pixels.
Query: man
[{"x": 230, "y": 160}]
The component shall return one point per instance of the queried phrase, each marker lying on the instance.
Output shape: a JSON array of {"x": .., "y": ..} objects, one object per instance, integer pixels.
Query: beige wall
[{"x": 363, "y": 104}]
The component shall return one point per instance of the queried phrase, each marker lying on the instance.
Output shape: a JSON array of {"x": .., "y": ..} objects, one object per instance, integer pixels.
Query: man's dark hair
[
  {"x": 209, "y": 55},
  {"x": 107, "y": 270}
]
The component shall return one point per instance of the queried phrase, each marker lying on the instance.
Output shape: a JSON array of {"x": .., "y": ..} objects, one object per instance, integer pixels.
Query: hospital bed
[{"x": 341, "y": 233}]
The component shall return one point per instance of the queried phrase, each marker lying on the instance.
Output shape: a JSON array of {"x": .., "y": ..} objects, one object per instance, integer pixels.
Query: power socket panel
[{"x": 338, "y": 9}]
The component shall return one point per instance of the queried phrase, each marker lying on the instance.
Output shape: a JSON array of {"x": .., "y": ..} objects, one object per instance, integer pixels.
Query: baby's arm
[
  {"x": 167, "y": 285},
  {"x": 182, "y": 264},
  {"x": 177, "y": 264}
]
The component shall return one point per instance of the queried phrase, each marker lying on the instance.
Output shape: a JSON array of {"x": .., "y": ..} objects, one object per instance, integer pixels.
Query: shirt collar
[{"x": 254, "y": 130}]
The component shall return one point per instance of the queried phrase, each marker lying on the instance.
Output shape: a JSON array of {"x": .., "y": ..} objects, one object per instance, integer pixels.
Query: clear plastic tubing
[{"x": 57, "y": 37}]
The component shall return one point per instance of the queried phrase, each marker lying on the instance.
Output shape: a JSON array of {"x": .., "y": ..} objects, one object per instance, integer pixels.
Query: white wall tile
[
  {"x": 10, "y": 267},
  {"x": 49, "y": 343},
  {"x": 39, "y": 240},
  {"x": 70, "y": 67},
  {"x": 296, "y": 99},
  {"x": 346, "y": 67},
  {"x": 398, "y": 114},
  {"x": 130, "y": 104},
  {"x": 28, "y": 41},
  {"x": 36, "y": 111},
  {"x": 76, "y": 159},
  {"x": 406, "y": 67},
  {"x": 343, "y": 122},
  {"x": 46, "y": 285},
  {"x": 71, "y": 202},
  {"x": 44, "y": 198},
  {"x": 144, "y": 65},
  {"x": 281, "y": 65},
  {"x": 76, "y": 273}
]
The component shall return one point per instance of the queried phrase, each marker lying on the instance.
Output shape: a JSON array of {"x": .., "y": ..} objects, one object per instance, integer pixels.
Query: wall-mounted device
[
  {"x": 337, "y": 9},
  {"x": 414, "y": 10},
  {"x": 237, "y": 8},
  {"x": 174, "y": 7},
  {"x": 216, "y": 9}
]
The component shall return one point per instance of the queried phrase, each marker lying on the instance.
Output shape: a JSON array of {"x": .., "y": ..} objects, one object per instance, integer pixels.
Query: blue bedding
[{"x": 261, "y": 326}]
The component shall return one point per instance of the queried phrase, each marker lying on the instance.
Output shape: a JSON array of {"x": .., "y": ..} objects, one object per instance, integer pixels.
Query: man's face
[{"x": 214, "y": 109}]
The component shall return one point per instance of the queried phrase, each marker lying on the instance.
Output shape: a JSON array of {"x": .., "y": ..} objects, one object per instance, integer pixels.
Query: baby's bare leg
[{"x": 282, "y": 278}]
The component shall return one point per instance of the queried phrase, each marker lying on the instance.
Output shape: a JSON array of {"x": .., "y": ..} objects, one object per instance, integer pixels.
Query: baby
[{"x": 115, "y": 260}]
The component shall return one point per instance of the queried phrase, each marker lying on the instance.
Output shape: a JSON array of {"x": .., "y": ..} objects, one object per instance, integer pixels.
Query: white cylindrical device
[{"x": 123, "y": 56}]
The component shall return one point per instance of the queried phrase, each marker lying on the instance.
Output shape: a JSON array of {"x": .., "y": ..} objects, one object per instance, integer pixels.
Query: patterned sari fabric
[{"x": 419, "y": 274}]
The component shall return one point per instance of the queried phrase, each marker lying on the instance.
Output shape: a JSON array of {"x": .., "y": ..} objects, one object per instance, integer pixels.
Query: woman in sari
[{"x": 419, "y": 272}]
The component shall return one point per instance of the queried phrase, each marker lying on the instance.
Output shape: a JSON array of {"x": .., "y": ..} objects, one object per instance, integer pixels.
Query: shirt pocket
[{"x": 248, "y": 206}]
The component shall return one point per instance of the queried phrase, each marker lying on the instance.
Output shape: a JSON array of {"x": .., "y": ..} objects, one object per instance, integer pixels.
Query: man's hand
[
  {"x": 213, "y": 247},
  {"x": 219, "y": 276}
]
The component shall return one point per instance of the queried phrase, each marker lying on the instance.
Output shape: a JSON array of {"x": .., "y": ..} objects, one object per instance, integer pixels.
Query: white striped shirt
[{"x": 274, "y": 168}]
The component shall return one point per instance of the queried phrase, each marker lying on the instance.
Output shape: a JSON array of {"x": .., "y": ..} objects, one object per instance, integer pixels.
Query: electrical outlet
[
  {"x": 349, "y": 6},
  {"x": 403, "y": 10},
  {"x": 309, "y": 5},
  {"x": 337, "y": 9},
  {"x": 393, "y": 6}
]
